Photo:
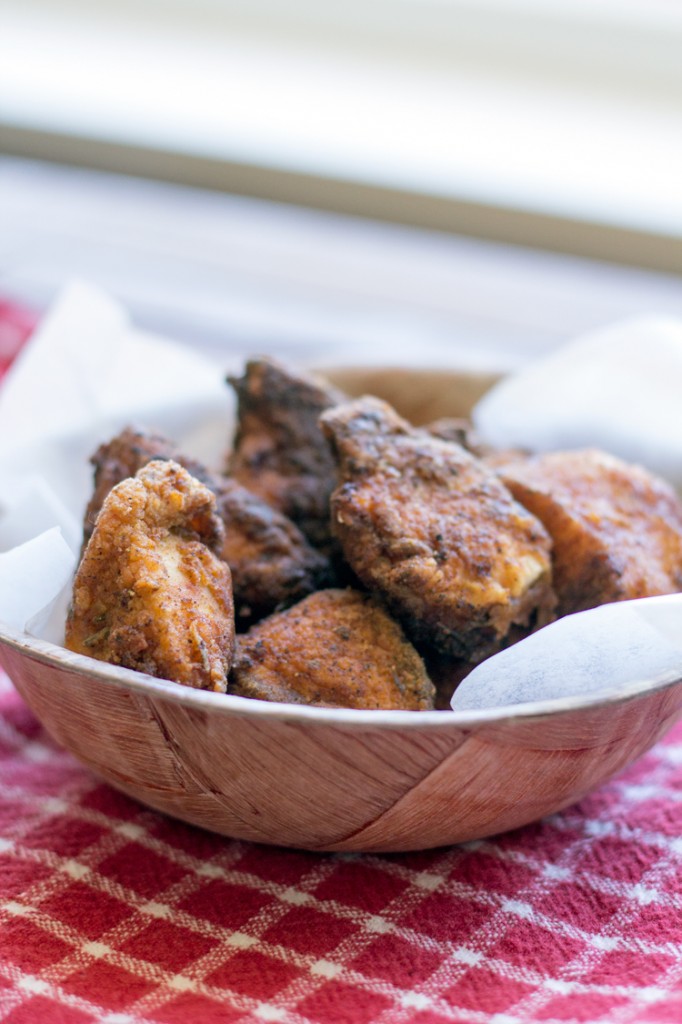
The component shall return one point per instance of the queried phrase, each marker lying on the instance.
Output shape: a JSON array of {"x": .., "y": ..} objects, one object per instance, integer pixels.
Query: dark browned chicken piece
[
  {"x": 432, "y": 531},
  {"x": 446, "y": 673},
  {"x": 150, "y": 593},
  {"x": 279, "y": 452},
  {"x": 616, "y": 529},
  {"x": 272, "y": 563},
  {"x": 336, "y": 648}
]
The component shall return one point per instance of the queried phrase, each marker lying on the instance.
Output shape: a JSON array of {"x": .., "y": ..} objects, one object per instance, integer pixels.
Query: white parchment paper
[
  {"x": 617, "y": 389},
  {"x": 613, "y": 649}
]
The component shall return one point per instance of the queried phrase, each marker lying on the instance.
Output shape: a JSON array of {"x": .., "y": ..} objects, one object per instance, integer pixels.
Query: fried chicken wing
[
  {"x": 335, "y": 648},
  {"x": 433, "y": 532},
  {"x": 150, "y": 593},
  {"x": 272, "y": 563},
  {"x": 616, "y": 529},
  {"x": 280, "y": 453}
]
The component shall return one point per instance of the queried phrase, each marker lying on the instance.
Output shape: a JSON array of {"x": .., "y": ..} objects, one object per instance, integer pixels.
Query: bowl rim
[{"x": 53, "y": 655}]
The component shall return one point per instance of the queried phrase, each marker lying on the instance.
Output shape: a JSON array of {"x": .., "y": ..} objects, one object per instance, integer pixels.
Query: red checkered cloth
[
  {"x": 16, "y": 324},
  {"x": 110, "y": 912}
]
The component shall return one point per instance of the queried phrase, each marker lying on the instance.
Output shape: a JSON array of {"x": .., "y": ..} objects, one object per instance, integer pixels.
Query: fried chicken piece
[
  {"x": 279, "y": 452},
  {"x": 616, "y": 529},
  {"x": 272, "y": 563},
  {"x": 335, "y": 648},
  {"x": 122, "y": 457},
  {"x": 430, "y": 529},
  {"x": 150, "y": 593}
]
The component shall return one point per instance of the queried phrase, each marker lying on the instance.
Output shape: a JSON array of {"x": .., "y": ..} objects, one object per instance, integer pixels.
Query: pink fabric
[
  {"x": 111, "y": 912},
  {"x": 16, "y": 324}
]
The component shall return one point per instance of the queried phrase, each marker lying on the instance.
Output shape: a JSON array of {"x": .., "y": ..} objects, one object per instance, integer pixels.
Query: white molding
[
  {"x": 244, "y": 276},
  {"x": 327, "y": 117}
]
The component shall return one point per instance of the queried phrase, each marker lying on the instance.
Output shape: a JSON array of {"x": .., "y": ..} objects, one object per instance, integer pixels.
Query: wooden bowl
[{"x": 336, "y": 779}]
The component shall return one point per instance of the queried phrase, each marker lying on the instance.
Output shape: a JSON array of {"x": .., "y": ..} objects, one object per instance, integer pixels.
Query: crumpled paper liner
[
  {"x": 612, "y": 650},
  {"x": 617, "y": 388}
]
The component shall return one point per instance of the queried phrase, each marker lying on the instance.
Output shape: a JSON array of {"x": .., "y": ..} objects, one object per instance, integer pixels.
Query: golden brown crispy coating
[
  {"x": 271, "y": 561},
  {"x": 428, "y": 527},
  {"x": 616, "y": 529},
  {"x": 335, "y": 648},
  {"x": 122, "y": 457},
  {"x": 280, "y": 453},
  {"x": 150, "y": 593}
]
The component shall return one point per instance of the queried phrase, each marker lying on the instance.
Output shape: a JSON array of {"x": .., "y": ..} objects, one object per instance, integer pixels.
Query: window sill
[{"x": 593, "y": 173}]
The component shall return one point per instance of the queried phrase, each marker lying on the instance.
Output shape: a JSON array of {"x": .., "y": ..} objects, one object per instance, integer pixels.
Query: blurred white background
[{"x": 555, "y": 125}]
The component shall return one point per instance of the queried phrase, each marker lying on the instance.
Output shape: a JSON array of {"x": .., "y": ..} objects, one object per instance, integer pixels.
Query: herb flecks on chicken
[
  {"x": 272, "y": 563},
  {"x": 616, "y": 528},
  {"x": 151, "y": 593},
  {"x": 435, "y": 533},
  {"x": 335, "y": 648}
]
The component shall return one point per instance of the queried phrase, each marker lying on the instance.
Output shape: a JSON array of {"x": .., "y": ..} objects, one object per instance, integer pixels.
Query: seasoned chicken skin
[
  {"x": 426, "y": 526},
  {"x": 616, "y": 528},
  {"x": 150, "y": 593},
  {"x": 122, "y": 457},
  {"x": 279, "y": 452},
  {"x": 272, "y": 563},
  {"x": 335, "y": 648}
]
